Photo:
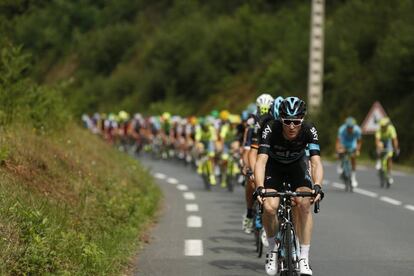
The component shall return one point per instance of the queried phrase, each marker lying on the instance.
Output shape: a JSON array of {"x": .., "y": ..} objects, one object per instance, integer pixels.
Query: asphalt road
[{"x": 369, "y": 232}]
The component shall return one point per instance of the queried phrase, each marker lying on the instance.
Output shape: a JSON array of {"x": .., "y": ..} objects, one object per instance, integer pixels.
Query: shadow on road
[{"x": 237, "y": 266}]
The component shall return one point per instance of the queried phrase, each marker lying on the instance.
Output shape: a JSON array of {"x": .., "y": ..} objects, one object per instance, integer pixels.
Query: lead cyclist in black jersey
[{"x": 284, "y": 141}]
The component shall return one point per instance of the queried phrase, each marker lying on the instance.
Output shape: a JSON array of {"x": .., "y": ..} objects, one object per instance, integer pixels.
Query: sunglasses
[{"x": 295, "y": 122}]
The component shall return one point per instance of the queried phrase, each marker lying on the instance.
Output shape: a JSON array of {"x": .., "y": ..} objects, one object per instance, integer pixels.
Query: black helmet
[{"x": 292, "y": 107}]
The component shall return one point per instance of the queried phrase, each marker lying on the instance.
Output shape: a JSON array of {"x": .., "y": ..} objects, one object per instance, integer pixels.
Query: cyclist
[
  {"x": 386, "y": 140},
  {"x": 349, "y": 140},
  {"x": 284, "y": 141},
  {"x": 206, "y": 137},
  {"x": 263, "y": 109},
  {"x": 227, "y": 135}
]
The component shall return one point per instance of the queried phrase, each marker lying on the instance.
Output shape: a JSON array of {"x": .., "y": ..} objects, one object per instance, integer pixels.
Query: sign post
[{"x": 371, "y": 121}]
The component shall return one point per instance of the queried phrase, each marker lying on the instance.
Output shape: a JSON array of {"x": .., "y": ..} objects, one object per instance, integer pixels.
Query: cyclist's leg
[
  {"x": 389, "y": 167},
  {"x": 273, "y": 182},
  {"x": 353, "y": 165},
  {"x": 269, "y": 218},
  {"x": 301, "y": 181}
]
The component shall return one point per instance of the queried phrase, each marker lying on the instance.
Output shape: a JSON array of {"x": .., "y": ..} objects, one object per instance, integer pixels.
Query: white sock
[
  {"x": 304, "y": 251},
  {"x": 272, "y": 243},
  {"x": 353, "y": 174}
]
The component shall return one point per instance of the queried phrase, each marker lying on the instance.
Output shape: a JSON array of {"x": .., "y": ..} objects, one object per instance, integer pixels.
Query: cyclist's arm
[
  {"x": 253, "y": 157},
  {"x": 259, "y": 171},
  {"x": 317, "y": 169},
  {"x": 394, "y": 139},
  {"x": 338, "y": 145},
  {"x": 359, "y": 145}
]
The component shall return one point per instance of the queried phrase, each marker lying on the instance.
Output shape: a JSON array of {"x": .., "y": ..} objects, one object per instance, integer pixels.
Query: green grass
[{"x": 70, "y": 204}]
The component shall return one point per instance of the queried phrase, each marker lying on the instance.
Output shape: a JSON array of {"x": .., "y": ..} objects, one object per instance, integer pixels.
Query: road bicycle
[
  {"x": 288, "y": 249},
  {"x": 346, "y": 170}
]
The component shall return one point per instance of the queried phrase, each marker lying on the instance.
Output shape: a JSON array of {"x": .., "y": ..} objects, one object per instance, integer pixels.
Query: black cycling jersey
[
  {"x": 240, "y": 132},
  {"x": 274, "y": 144},
  {"x": 257, "y": 132}
]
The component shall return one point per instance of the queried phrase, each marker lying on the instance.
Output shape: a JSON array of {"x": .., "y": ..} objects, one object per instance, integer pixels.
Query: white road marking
[
  {"x": 194, "y": 222},
  {"x": 338, "y": 185},
  {"x": 189, "y": 196},
  {"x": 182, "y": 187},
  {"x": 390, "y": 200},
  {"x": 172, "y": 181},
  {"x": 365, "y": 192},
  {"x": 191, "y": 207},
  {"x": 160, "y": 175},
  {"x": 409, "y": 207},
  {"x": 193, "y": 248}
]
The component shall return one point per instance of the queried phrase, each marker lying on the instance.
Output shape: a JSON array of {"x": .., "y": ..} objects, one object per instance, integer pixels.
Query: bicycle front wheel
[{"x": 287, "y": 242}]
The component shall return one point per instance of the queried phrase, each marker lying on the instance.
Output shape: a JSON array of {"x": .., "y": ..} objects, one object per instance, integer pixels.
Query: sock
[
  {"x": 249, "y": 213},
  {"x": 353, "y": 174},
  {"x": 304, "y": 251},
  {"x": 272, "y": 243}
]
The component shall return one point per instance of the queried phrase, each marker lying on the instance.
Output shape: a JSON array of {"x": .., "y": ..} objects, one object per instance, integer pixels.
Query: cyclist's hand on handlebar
[
  {"x": 317, "y": 189},
  {"x": 397, "y": 152},
  {"x": 258, "y": 194}
]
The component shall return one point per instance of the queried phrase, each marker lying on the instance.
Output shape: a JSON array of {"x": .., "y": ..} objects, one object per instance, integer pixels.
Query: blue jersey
[{"x": 349, "y": 139}]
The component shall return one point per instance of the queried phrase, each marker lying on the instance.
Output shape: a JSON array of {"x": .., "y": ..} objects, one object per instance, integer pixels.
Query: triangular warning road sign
[{"x": 371, "y": 122}]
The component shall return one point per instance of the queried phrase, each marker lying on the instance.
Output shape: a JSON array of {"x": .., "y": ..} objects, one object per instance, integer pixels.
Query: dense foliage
[{"x": 190, "y": 56}]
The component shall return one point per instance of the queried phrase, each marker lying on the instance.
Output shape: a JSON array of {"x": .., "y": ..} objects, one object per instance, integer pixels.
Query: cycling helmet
[
  {"x": 251, "y": 108},
  {"x": 166, "y": 116},
  {"x": 292, "y": 107},
  {"x": 224, "y": 115},
  {"x": 350, "y": 122},
  {"x": 264, "y": 103},
  {"x": 276, "y": 105},
  {"x": 214, "y": 113},
  {"x": 245, "y": 115},
  {"x": 123, "y": 115},
  {"x": 234, "y": 119},
  {"x": 201, "y": 121},
  {"x": 384, "y": 122}
]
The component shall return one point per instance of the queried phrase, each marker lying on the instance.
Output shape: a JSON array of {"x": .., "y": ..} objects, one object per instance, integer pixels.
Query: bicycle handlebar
[{"x": 316, "y": 208}]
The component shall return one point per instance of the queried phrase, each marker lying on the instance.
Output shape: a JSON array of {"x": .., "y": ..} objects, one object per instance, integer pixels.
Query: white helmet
[{"x": 264, "y": 103}]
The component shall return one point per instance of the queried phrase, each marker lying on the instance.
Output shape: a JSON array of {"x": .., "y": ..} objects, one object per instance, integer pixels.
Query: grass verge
[{"x": 69, "y": 204}]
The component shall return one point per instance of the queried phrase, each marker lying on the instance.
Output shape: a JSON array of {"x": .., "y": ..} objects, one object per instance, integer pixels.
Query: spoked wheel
[
  {"x": 260, "y": 243},
  {"x": 387, "y": 180},
  {"x": 288, "y": 247},
  {"x": 382, "y": 178},
  {"x": 257, "y": 238},
  {"x": 348, "y": 184},
  {"x": 206, "y": 176}
]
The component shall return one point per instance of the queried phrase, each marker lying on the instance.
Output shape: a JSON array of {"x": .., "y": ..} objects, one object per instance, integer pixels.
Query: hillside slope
[{"x": 69, "y": 203}]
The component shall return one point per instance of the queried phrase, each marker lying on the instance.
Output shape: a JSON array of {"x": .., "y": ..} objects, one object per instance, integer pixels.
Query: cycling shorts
[
  {"x": 296, "y": 174},
  {"x": 209, "y": 146}
]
